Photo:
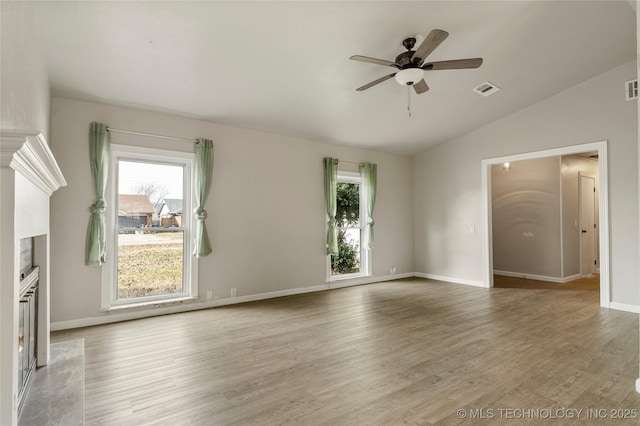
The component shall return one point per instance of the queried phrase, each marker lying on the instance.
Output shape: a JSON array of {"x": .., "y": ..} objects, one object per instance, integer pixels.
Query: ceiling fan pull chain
[{"x": 409, "y": 100}]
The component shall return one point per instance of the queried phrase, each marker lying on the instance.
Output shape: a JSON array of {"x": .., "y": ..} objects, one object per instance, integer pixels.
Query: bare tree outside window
[{"x": 154, "y": 191}]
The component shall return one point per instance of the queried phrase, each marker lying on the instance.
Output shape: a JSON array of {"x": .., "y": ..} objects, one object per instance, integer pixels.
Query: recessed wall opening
[{"x": 546, "y": 220}]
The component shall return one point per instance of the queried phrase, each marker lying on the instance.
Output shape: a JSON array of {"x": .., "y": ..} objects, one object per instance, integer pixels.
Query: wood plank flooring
[
  {"x": 591, "y": 283},
  {"x": 411, "y": 351}
]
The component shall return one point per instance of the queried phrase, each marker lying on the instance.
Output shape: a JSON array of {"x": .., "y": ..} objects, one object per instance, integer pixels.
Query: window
[
  {"x": 149, "y": 242},
  {"x": 352, "y": 259}
]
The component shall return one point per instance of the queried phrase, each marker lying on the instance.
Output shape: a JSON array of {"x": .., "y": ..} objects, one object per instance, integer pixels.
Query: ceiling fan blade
[
  {"x": 456, "y": 64},
  {"x": 373, "y": 60},
  {"x": 374, "y": 82},
  {"x": 429, "y": 44},
  {"x": 421, "y": 86}
]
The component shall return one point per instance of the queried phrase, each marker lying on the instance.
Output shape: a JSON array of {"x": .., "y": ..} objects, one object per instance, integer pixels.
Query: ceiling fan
[{"x": 411, "y": 63}]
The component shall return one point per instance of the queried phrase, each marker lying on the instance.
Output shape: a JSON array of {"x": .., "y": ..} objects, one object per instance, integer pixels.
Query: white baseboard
[
  {"x": 538, "y": 277},
  {"x": 188, "y": 305},
  {"x": 151, "y": 311},
  {"x": 368, "y": 280},
  {"x": 571, "y": 278},
  {"x": 624, "y": 307},
  {"x": 450, "y": 279}
]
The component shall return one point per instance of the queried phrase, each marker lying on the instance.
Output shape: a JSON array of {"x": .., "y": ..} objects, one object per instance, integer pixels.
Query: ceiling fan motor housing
[{"x": 404, "y": 59}]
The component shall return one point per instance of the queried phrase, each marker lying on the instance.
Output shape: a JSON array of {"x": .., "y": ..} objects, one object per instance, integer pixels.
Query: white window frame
[
  {"x": 190, "y": 262},
  {"x": 365, "y": 253}
]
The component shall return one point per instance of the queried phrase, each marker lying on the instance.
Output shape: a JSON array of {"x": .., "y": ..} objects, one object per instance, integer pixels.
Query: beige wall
[
  {"x": 266, "y": 208},
  {"x": 24, "y": 92},
  {"x": 447, "y": 184},
  {"x": 526, "y": 217}
]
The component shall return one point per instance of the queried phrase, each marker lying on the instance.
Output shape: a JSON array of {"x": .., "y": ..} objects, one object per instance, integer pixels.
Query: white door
[{"x": 587, "y": 225}]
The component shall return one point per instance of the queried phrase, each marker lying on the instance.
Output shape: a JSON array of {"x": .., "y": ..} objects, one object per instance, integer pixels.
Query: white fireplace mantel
[
  {"x": 28, "y": 153},
  {"x": 29, "y": 175}
]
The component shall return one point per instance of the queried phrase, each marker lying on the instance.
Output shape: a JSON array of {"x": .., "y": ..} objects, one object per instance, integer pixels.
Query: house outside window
[
  {"x": 134, "y": 210},
  {"x": 171, "y": 212}
]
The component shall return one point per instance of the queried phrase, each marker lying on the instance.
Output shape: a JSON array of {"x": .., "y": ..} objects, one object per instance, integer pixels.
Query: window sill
[
  {"x": 149, "y": 304},
  {"x": 352, "y": 280},
  {"x": 335, "y": 278}
]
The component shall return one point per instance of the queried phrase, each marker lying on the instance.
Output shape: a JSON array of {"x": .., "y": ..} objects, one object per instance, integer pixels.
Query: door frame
[{"x": 603, "y": 207}]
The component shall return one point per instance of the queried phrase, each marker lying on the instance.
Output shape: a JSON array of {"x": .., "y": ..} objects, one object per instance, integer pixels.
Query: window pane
[
  {"x": 348, "y": 205},
  {"x": 150, "y": 264},
  {"x": 150, "y": 257},
  {"x": 157, "y": 181},
  {"x": 348, "y": 259}
]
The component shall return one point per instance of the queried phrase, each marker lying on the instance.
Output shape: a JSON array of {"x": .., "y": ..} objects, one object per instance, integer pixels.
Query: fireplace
[{"x": 29, "y": 176}]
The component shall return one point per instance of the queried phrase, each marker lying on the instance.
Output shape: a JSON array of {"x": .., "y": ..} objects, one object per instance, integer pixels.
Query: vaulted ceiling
[{"x": 283, "y": 67}]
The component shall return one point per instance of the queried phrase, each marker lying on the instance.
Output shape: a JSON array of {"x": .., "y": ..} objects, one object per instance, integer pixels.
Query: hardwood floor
[
  {"x": 591, "y": 283},
  {"x": 412, "y": 351}
]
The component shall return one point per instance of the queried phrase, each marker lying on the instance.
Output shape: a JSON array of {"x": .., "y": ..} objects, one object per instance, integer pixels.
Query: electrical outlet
[
  {"x": 393, "y": 270},
  {"x": 233, "y": 292},
  {"x": 209, "y": 294}
]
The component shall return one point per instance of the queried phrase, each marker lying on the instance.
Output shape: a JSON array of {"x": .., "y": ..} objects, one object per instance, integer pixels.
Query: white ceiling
[{"x": 283, "y": 67}]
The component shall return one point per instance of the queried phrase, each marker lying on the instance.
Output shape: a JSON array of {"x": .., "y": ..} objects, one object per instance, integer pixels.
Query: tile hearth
[{"x": 56, "y": 395}]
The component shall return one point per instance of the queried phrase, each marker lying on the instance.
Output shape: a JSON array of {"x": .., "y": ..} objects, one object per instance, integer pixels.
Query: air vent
[
  {"x": 631, "y": 89},
  {"x": 486, "y": 89}
]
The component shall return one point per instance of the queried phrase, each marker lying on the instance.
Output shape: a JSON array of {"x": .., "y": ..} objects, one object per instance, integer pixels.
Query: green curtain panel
[
  {"x": 330, "y": 190},
  {"x": 203, "y": 172},
  {"x": 369, "y": 172},
  {"x": 96, "y": 245}
]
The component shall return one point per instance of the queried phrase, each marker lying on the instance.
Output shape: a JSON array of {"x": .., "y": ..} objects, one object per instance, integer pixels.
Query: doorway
[{"x": 600, "y": 234}]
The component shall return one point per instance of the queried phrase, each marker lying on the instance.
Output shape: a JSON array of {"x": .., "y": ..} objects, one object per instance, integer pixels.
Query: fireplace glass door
[{"x": 27, "y": 332}]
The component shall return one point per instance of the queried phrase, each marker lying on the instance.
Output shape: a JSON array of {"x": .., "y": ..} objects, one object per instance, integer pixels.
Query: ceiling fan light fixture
[{"x": 409, "y": 76}]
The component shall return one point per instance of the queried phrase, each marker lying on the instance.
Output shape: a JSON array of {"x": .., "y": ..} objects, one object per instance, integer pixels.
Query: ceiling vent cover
[
  {"x": 486, "y": 89},
  {"x": 631, "y": 89}
]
